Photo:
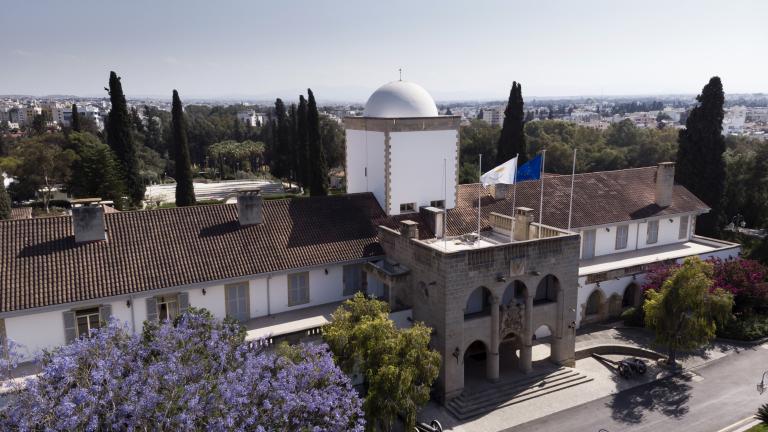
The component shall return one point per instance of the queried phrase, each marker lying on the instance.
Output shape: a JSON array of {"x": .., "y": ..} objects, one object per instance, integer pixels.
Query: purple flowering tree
[{"x": 194, "y": 374}]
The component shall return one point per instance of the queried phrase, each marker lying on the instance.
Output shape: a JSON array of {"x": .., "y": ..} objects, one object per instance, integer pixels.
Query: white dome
[{"x": 400, "y": 99}]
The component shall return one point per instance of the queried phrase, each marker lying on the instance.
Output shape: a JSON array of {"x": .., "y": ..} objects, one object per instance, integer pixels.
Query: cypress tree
[
  {"x": 512, "y": 139},
  {"x": 281, "y": 157},
  {"x": 301, "y": 142},
  {"x": 318, "y": 168},
  {"x": 700, "y": 164},
  {"x": 75, "y": 123},
  {"x": 5, "y": 201},
  {"x": 185, "y": 192},
  {"x": 120, "y": 140},
  {"x": 295, "y": 160}
]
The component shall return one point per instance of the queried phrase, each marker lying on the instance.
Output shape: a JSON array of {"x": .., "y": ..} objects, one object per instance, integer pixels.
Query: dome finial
[{"x": 400, "y": 70}]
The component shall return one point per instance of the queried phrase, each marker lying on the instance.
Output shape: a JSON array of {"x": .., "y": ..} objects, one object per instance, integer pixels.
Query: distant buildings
[{"x": 251, "y": 118}]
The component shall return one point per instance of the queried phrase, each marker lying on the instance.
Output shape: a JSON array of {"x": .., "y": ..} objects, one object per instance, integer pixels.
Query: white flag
[{"x": 504, "y": 173}]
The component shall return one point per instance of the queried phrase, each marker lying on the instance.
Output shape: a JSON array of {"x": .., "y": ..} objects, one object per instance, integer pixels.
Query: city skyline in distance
[{"x": 345, "y": 50}]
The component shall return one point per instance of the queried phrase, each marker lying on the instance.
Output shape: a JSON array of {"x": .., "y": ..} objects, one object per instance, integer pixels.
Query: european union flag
[{"x": 530, "y": 170}]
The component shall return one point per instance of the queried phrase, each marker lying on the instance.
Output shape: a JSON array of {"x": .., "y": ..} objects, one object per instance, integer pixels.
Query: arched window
[
  {"x": 478, "y": 303},
  {"x": 593, "y": 303},
  {"x": 514, "y": 293},
  {"x": 547, "y": 290}
]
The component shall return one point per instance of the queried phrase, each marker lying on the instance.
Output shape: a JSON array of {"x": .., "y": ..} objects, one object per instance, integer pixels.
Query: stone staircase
[{"x": 474, "y": 403}]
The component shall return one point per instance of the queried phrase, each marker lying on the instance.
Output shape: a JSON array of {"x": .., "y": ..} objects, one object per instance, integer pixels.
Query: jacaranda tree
[{"x": 194, "y": 374}]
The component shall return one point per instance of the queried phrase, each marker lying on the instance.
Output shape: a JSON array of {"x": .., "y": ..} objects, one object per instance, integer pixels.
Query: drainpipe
[
  {"x": 269, "y": 310},
  {"x": 133, "y": 314}
]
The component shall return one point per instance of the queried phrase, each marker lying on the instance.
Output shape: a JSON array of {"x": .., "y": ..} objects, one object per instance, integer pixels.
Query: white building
[
  {"x": 401, "y": 141},
  {"x": 282, "y": 266},
  {"x": 493, "y": 116},
  {"x": 251, "y": 118}
]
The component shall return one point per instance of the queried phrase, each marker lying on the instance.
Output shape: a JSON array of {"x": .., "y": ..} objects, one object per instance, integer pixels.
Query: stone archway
[
  {"x": 478, "y": 303},
  {"x": 632, "y": 297},
  {"x": 542, "y": 345},
  {"x": 475, "y": 362},
  {"x": 596, "y": 307},
  {"x": 509, "y": 353},
  {"x": 547, "y": 290}
]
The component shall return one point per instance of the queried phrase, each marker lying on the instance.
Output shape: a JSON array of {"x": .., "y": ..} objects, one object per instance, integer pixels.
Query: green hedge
[{"x": 746, "y": 328}]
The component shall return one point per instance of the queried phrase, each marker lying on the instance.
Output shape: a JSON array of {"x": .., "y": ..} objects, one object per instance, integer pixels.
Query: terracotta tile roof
[
  {"x": 21, "y": 213},
  {"x": 41, "y": 265},
  {"x": 599, "y": 198}
]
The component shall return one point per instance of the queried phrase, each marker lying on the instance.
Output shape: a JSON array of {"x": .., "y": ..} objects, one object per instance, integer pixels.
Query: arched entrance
[
  {"x": 596, "y": 308},
  {"x": 478, "y": 303},
  {"x": 475, "y": 367},
  {"x": 632, "y": 296},
  {"x": 509, "y": 353}
]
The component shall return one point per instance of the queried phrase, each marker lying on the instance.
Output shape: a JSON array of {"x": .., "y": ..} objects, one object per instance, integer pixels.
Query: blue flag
[{"x": 530, "y": 170}]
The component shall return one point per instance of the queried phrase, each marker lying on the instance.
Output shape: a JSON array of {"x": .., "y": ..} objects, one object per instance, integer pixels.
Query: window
[
  {"x": 683, "y": 234},
  {"x": 298, "y": 288},
  {"x": 438, "y": 203},
  {"x": 355, "y": 279},
  {"x": 408, "y": 208},
  {"x": 87, "y": 320},
  {"x": 588, "y": 244},
  {"x": 653, "y": 232},
  {"x": 237, "y": 301},
  {"x": 167, "y": 307},
  {"x": 622, "y": 233}
]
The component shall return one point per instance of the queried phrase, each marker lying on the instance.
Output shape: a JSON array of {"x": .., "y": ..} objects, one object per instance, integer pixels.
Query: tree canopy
[
  {"x": 95, "y": 172},
  {"x": 5, "y": 201},
  {"x": 196, "y": 373},
  {"x": 700, "y": 163},
  {"x": 398, "y": 366},
  {"x": 185, "y": 191},
  {"x": 120, "y": 139},
  {"x": 684, "y": 312},
  {"x": 512, "y": 139}
]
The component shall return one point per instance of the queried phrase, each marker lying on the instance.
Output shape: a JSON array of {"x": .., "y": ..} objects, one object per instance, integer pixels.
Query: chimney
[
  {"x": 433, "y": 216},
  {"x": 88, "y": 222},
  {"x": 523, "y": 219},
  {"x": 499, "y": 190},
  {"x": 665, "y": 182},
  {"x": 409, "y": 229},
  {"x": 250, "y": 207}
]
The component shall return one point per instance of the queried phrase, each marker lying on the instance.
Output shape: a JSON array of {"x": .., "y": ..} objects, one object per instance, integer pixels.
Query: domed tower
[{"x": 397, "y": 150}]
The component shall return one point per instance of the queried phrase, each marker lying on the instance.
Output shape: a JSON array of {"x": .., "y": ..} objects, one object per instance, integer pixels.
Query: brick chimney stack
[
  {"x": 88, "y": 221},
  {"x": 250, "y": 207}
]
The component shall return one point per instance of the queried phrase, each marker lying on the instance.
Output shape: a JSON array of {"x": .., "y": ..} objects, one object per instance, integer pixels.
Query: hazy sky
[{"x": 345, "y": 49}]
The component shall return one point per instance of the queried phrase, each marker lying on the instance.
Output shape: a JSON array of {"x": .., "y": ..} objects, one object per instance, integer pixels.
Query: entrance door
[{"x": 588, "y": 244}]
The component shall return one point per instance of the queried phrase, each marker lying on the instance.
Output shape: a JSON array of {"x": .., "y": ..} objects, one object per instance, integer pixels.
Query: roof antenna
[{"x": 400, "y": 70}]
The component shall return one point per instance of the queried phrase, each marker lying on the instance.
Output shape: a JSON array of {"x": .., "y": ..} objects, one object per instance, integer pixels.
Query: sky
[{"x": 344, "y": 50}]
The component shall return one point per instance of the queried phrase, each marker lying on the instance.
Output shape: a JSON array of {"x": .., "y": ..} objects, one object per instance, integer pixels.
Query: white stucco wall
[
  {"x": 605, "y": 240},
  {"x": 416, "y": 168},
  {"x": 45, "y": 330},
  {"x": 365, "y": 149}
]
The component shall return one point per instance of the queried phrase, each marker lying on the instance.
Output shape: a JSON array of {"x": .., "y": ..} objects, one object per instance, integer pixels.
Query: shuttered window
[
  {"x": 237, "y": 301},
  {"x": 653, "y": 232},
  {"x": 298, "y": 288},
  {"x": 79, "y": 323},
  {"x": 87, "y": 320},
  {"x": 683, "y": 234},
  {"x": 355, "y": 279},
  {"x": 588, "y": 244},
  {"x": 622, "y": 234}
]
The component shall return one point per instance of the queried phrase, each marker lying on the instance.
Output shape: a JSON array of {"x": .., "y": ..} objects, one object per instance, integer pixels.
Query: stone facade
[{"x": 438, "y": 286}]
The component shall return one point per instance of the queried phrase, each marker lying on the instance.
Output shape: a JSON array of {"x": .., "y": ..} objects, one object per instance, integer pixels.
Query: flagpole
[
  {"x": 541, "y": 197},
  {"x": 479, "y": 194},
  {"x": 573, "y": 177},
  {"x": 514, "y": 198},
  {"x": 445, "y": 203}
]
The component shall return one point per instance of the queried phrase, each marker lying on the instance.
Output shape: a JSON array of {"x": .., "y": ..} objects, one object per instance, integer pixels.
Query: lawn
[{"x": 758, "y": 428}]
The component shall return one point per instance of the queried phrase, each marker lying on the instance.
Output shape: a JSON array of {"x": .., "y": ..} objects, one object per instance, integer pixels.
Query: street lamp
[{"x": 761, "y": 385}]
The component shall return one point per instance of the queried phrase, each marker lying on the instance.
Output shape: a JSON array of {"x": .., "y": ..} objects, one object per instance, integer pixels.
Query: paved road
[{"x": 720, "y": 394}]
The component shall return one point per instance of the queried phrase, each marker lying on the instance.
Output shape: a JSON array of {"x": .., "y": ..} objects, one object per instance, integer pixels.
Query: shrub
[
  {"x": 745, "y": 327},
  {"x": 194, "y": 374},
  {"x": 633, "y": 317},
  {"x": 762, "y": 414}
]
